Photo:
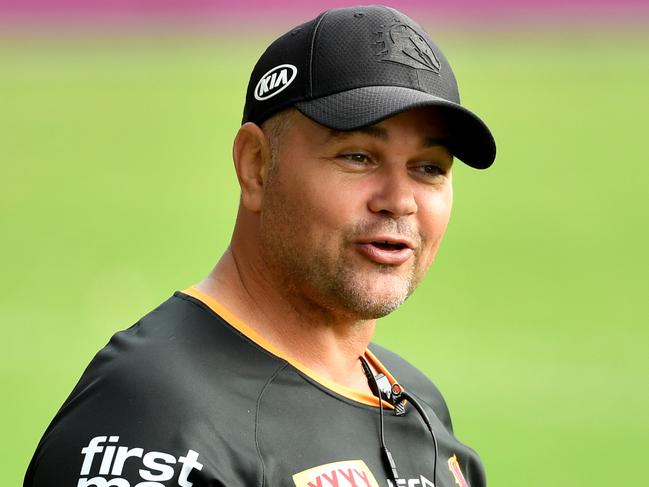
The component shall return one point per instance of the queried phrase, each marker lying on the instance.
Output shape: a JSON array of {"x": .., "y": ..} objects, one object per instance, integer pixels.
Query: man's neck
[{"x": 327, "y": 344}]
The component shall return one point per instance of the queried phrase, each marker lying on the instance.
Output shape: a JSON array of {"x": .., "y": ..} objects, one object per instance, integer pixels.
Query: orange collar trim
[{"x": 253, "y": 335}]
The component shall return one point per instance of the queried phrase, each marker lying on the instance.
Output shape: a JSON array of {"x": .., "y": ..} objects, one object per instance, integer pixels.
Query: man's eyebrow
[
  {"x": 372, "y": 131},
  {"x": 437, "y": 141},
  {"x": 381, "y": 133}
]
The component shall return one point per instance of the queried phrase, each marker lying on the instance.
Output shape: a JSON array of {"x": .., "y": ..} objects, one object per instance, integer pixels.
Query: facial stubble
[{"x": 337, "y": 281}]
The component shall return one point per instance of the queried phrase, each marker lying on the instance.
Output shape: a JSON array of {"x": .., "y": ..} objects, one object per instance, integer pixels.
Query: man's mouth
[
  {"x": 387, "y": 252},
  {"x": 385, "y": 245}
]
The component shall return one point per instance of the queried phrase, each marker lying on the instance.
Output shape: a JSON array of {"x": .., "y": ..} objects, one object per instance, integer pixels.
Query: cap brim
[{"x": 471, "y": 140}]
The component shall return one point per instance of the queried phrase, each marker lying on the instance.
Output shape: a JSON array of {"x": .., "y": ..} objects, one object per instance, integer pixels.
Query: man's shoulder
[
  {"x": 414, "y": 381},
  {"x": 178, "y": 364},
  {"x": 165, "y": 385},
  {"x": 181, "y": 348}
]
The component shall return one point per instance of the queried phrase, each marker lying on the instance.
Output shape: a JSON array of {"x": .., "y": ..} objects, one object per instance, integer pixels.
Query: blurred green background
[{"x": 118, "y": 188}]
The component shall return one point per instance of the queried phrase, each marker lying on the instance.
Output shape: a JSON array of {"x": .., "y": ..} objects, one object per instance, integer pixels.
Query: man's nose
[{"x": 393, "y": 195}]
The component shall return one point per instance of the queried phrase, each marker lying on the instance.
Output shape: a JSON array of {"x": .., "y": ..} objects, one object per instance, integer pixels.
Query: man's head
[
  {"x": 347, "y": 220},
  {"x": 346, "y": 195}
]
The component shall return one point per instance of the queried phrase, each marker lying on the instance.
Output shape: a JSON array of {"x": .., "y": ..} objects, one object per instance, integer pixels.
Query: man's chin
[
  {"x": 374, "y": 309},
  {"x": 376, "y": 299}
]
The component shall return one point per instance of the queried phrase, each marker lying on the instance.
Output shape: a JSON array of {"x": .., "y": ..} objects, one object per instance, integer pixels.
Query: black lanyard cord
[
  {"x": 424, "y": 416},
  {"x": 386, "y": 456},
  {"x": 396, "y": 395}
]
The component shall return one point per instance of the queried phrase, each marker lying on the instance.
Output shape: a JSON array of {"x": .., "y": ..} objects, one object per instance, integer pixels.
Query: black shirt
[{"x": 190, "y": 396}]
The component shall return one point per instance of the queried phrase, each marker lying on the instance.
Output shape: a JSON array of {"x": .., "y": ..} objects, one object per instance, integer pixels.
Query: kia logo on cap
[{"x": 275, "y": 81}]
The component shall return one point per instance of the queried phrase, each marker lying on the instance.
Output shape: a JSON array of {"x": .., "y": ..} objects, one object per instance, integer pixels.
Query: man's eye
[
  {"x": 357, "y": 157},
  {"x": 431, "y": 170}
]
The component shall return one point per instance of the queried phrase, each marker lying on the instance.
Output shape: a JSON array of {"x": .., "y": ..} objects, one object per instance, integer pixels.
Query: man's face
[{"x": 351, "y": 221}]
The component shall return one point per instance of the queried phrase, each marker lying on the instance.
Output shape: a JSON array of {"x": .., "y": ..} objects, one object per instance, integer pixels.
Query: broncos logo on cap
[{"x": 400, "y": 43}]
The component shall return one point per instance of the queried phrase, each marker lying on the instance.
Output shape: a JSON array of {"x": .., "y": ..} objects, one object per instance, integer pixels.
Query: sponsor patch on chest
[
  {"x": 104, "y": 462},
  {"x": 349, "y": 473}
]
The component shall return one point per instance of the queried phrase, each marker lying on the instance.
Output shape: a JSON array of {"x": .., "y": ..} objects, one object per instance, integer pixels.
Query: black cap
[{"x": 353, "y": 67}]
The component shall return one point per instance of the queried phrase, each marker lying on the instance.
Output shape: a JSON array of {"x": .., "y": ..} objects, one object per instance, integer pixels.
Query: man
[{"x": 261, "y": 374}]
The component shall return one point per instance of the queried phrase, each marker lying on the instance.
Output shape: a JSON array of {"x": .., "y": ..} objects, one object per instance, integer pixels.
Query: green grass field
[{"x": 117, "y": 189}]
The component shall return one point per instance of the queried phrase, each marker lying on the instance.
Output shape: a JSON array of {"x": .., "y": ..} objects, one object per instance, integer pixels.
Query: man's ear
[{"x": 252, "y": 158}]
